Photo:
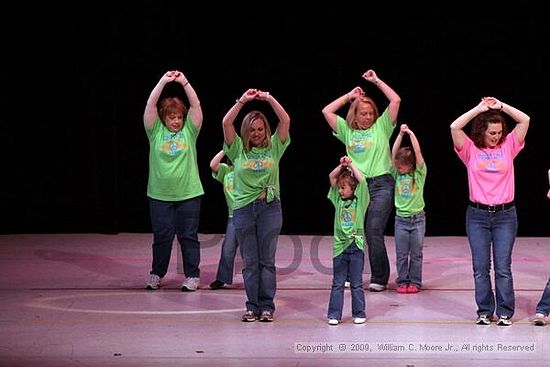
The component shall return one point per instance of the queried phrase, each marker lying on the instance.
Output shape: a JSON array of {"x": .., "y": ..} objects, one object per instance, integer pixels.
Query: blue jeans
[
  {"x": 381, "y": 190},
  {"x": 543, "y": 306},
  {"x": 409, "y": 241},
  {"x": 349, "y": 263},
  {"x": 496, "y": 229},
  {"x": 258, "y": 226},
  {"x": 227, "y": 259},
  {"x": 170, "y": 218}
]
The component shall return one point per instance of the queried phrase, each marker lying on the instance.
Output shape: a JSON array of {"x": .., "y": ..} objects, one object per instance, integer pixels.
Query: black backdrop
[{"x": 75, "y": 80}]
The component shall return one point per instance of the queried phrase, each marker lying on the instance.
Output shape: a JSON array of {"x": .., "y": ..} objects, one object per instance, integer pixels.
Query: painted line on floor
[{"x": 45, "y": 303}]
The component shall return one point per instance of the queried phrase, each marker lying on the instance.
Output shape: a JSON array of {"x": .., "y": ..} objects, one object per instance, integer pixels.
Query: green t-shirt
[
  {"x": 256, "y": 170},
  {"x": 225, "y": 175},
  {"x": 409, "y": 197},
  {"x": 173, "y": 169},
  {"x": 369, "y": 149},
  {"x": 349, "y": 218}
]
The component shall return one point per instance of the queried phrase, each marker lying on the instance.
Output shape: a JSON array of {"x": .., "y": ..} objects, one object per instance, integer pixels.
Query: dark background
[{"x": 76, "y": 78}]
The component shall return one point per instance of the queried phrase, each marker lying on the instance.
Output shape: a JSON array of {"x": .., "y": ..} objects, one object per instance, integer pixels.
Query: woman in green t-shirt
[
  {"x": 174, "y": 187},
  {"x": 366, "y": 135},
  {"x": 257, "y": 214}
]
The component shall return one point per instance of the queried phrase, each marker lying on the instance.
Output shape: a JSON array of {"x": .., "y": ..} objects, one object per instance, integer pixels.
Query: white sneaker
[
  {"x": 333, "y": 322},
  {"x": 190, "y": 285},
  {"x": 153, "y": 282},
  {"x": 539, "y": 319},
  {"x": 375, "y": 287},
  {"x": 347, "y": 284},
  {"x": 359, "y": 320}
]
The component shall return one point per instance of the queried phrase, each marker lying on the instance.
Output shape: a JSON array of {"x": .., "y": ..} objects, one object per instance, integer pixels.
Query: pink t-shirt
[{"x": 491, "y": 171}]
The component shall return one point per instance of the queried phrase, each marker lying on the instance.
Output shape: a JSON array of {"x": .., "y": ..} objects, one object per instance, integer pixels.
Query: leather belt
[{"x": 492, "y": 208}]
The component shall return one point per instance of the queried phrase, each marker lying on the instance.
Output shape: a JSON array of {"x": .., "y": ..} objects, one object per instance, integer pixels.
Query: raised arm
[
  {"x": 416, "y": 147},
  {"x": 521, "y": 118},
  {"x": 356, "y": 172},
  {"x": 283, "y": 126},
  {"x": 151, "y": 112},
  {"x": 333, "y": 175},
  {"x": 397, "y": 143},
  {"x": 395, "y": 100},
  {"x": 228, "y": 121},
  {"x": 329, "y": 112},
  {"x": 195, "y": 110},
  {"x": 457, "y": 127},
  {"x": 215, "y": 162}
]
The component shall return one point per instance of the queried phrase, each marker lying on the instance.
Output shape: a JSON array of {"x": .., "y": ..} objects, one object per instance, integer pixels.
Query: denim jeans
[
  {"x": 486, "y": 229},
  {"x": 349, "y": 263},
  {"x": 170, "y": 218},
  {"x": 381, "y": 190},
  {"x": 543, "y": 306},
  {"x": 227, "y": 259},
  {"x": 258, "y": 226},
  {"x": 409, "y": 241}
]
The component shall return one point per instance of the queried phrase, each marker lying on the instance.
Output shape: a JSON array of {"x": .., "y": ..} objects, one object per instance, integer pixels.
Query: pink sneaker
[
  {"x": 412, "y": 289},
  {"x": 401, "y": 289}
]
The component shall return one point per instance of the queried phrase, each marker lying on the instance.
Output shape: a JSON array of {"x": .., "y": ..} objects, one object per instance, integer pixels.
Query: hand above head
[
  {"x": 492, "y": 103},
  {"x": 356, "y": 92},
  {"x": 263, "y": 96},
  {"x": 345, "y": 161},
  {"x": 370, "y": 76},
  {"x": 483, "y": 105},
  {"x": 249, "y": 95},
  {"x": 170, "y": 76},
  {"x": 404, "y": 128},
  {"x": 179, "y": 77}
]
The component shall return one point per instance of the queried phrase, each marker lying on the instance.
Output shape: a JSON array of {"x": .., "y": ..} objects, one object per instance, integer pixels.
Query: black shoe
[
  {"x": 483, "y": 320},
  {"x": 266, "y": 316},
  {"x": 216, "y": 284},
  {"x": 249, "y": 316}
]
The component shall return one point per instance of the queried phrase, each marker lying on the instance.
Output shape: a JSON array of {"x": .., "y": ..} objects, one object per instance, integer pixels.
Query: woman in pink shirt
[{"x": 491, "y": 218}]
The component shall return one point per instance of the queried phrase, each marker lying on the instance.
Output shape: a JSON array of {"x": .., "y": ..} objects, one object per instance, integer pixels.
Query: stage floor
[{"x": 79, "y": 300}]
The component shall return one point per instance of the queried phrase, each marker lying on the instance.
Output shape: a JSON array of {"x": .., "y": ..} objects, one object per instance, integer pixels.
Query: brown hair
[
  {"x": 346, "y": 176},
  {"x": 247, "y": 125},
  {"x": 480, "y": 124},
  {"x": 406, "y": 155},
  {"x": 352, "y": 112},
  {"x": 170, "y": 105}
]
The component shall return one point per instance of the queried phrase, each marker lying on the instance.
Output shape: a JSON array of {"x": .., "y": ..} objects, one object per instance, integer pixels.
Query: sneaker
[
  {"x": 413, "y": 289},
  {"x": 539, "y": 319},
  {"x": 190, "y": 285},
  {"x": 375, "y": 287},
  {"x": 347, "y": 284},
  {"x": 359, "y": 320},
  {"x": 504, "y": 321},
  {"x": 154, "y": 282},
  {"x": 333, "y": 322},
  {"x": 216, "y": 284},
  {"x": 266, "y": 316},
  {"x": 249, "y": 316},
  {"x": 401, "y": 289},
  {"x": 483, "y": 320}
]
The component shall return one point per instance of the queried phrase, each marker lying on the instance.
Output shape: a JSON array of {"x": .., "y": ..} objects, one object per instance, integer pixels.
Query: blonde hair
[
  {"x": 246, "y": 126},
  {"x": 352, "y": 112}
]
